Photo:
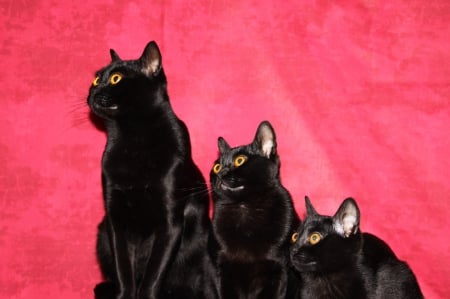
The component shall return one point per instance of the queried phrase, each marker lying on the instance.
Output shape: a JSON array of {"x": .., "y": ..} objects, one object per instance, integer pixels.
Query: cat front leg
[
  {"x": 123, "y": 257},
  {"x": 276, "y": 284},
  {"x": 163, "y": 252},
  {"x": 105, "y": 256}
]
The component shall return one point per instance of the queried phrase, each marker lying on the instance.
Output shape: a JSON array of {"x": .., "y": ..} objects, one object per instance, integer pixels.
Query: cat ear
[
  {"x": 310, "y": 211},
  {"x": 223, "y": 145},
  {"x": 265, "y": 139},
  {"x": 114, "y": 55},
  {"x": 346, "y": 219},
  {"x": 151, "y": 59}
]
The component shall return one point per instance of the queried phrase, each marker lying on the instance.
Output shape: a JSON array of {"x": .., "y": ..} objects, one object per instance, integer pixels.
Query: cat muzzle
[{"x": 104, "y": 103}]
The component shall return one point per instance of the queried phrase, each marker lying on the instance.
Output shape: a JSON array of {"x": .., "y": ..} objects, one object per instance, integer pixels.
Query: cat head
[
  {"x": 128, "y": 88},
  {"x": 326, "y": 243},
  {"x": 246, "y": 169}
]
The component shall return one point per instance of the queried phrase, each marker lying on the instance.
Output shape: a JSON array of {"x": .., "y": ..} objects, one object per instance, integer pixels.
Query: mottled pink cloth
[{"x": 357, "y": 91}]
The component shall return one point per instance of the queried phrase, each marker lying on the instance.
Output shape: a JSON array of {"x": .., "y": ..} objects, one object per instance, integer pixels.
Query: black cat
[
  {"x": 335, "y": 260},
  {"x": 152, "y": 242},
  {"x": 253, "y": 219}
]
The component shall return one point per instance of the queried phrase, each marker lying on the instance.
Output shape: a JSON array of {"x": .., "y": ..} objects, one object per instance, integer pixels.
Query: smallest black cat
[{"x": 333, "y": 259}]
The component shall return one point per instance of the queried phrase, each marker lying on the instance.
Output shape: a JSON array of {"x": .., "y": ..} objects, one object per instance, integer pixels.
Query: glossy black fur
[
  {"x": 347, "y": 263},
  {"x": 152, "y": 242},
  {"x": 253, "y": 222}
]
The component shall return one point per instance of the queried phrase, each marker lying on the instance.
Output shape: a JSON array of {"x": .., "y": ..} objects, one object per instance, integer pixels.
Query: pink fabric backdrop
[{"x": 358, "y": 93}]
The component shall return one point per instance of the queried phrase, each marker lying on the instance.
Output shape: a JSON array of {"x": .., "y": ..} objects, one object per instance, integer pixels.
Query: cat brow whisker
[{"x": 77, "y": 113}]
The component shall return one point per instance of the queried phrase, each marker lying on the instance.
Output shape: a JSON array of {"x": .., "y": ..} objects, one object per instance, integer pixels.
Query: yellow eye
[
  {"x": 96, "y": 81},
  {"x": 314, "y": 238},
  {"x": 115, "y": 78},
  {"x": 240, "y": 160},
  {"x": 294, "y": 238},
  {"x": 217, "y": 168}
]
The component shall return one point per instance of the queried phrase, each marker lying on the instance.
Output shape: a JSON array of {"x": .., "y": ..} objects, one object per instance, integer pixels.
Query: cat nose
[
  {"x": 294, "y": 250},
  {"x": 102, "y": 100},
  {"x": 223, "y": 172}
]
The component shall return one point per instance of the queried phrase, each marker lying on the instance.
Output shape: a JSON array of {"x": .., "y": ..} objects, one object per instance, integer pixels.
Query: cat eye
[
  {"x": 115, "y": 78},
  {"x": 240, "y": 160},
  {"x": 217, "y": 168},
  {"x": 294, "y": 238},
  {"x": 96, "y": 81},
  {"x": 314, "y": 238}
]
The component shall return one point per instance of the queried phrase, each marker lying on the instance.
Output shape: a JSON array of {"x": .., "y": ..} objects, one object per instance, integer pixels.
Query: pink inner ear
[
  {"x": 151, "y": 59},
  {"x": 151, "y": 67},
  {"x": 267, "y": 148},
  {"x": 266, "y": 139},
  {"x": 154, "y": 65},
  {"x": 348, "y": 224}
]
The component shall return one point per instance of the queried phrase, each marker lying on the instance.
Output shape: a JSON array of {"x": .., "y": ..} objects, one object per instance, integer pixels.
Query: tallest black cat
[{"x": 152, "y": 241}]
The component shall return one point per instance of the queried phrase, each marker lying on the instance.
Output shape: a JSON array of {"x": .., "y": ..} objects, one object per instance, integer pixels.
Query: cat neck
[
  {"x": 265, "y": 196},
  {"x": 159, "y": 118},
  {"x": 343, "y": 284},
  {"x": 159, "y": 132}
]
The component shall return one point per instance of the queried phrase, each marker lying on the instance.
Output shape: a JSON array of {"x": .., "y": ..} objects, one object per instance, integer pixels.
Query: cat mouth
[
  {"x": 225, "y": 187},
  {"x": 304, "y": 266},
  {"x": 105, "y": 107}
]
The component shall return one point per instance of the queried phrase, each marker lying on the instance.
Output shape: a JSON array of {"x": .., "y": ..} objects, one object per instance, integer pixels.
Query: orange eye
[
  {"x": 240, "y": 160},
  {"x": 217, "y": 168},
  {"x": 294, "y": 238},
  {"x": 115, "y": 78},
  {"x": 96, "y": 81},
  {"x": 314, "y": 238}
]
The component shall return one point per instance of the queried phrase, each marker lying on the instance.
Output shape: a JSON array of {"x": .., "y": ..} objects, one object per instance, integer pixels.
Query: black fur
[
  {"x": 152, "y": 242},
  {"x": 346, "y": 263},
  {"x": 253, "y": 219}
]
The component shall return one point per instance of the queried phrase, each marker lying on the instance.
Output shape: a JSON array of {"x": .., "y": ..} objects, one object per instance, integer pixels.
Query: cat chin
[{"x": 305, "y": 267}]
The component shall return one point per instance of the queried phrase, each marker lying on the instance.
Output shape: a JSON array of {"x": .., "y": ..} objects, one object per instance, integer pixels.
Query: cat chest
[
  {"x": 343, "y": 285},
  {"x": 246, "y": 222},
  {"x": 142, "y": 205},
  {"x": 242, "y": 233},
  {"x": 136, "y": 162}
]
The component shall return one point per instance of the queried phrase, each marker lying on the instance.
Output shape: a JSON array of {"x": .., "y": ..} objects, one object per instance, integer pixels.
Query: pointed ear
[
  {"x": 346, "y": 219},
  {"x": 223, "y": 145},
  {"x": 151, "y": 59},
  {"x": 310, "y": 211},
  {"x": 114, "y": 55},
  {"x": 265, "y": 140}
]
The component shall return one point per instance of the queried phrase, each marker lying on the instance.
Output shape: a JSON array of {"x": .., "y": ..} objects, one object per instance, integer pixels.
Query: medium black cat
[
  {"x": 335, "y": 260},
  {"x": 253, "y": 219},
  {"x": 152, "y": 242}
]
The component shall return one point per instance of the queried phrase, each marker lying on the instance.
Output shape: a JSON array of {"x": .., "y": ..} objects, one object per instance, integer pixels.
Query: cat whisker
[
  {"x": 197, "y": 192},
  {"x": 77, "y": 112}
]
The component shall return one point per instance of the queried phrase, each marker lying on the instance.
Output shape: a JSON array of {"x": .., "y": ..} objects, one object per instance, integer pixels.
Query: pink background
[{"x": 357, "y": 91}]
